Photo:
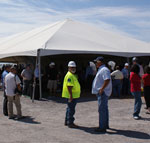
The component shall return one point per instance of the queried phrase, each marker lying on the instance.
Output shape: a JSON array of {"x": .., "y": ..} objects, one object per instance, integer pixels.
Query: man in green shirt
[{"x": 71, "y": 91}]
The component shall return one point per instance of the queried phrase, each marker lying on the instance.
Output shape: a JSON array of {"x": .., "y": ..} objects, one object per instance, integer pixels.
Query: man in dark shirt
[{"x": 52, "y": 78}]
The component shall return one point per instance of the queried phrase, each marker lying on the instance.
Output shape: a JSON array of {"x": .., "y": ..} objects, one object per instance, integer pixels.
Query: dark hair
[
  {"x": 147, "y": 69},
  {"x": 117, "y": 68},
  {"x": 135, "y": 68}
]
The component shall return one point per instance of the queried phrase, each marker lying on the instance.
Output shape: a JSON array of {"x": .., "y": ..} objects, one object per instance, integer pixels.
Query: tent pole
[
  {"x": 34, "y": 83},
  {"x": 40, "y": 79}
]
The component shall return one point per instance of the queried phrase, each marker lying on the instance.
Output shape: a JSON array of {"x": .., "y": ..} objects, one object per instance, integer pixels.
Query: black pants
[
  {"x": 147, "y": 96},
  {"x": 26, "y": 84},
  {"x": 5, "y": 110}
]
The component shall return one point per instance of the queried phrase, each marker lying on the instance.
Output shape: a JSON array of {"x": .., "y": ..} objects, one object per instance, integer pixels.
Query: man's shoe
[
  {"x": 20, "y": 117},
  {"x": 108, "y": 127},
  {"x": 99, "y": 130},
  {"x": 11, "y": 117},
  {"x": 5, "y": 114},
  {"x": 65, "y": 124},
  {"x": 73, "y": 125},
  {"x": 137, "y": 117}
]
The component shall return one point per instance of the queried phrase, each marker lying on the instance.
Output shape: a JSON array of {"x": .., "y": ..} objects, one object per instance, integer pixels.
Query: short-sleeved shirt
[
  {"x": 71, "y": 80},
  {"x": 135, "y": 82},
  {"x": 52, "y": 74},
  {"x": 117, "y": 74},
  {"x": 146, "y": 79},
  {"x": 102, "y": 75},
  {"x": 27, "y": 74},
  {"x": 36, "y": 72},
  {"x": 3, "y": 77},
  {"x": 11, "y": 82},
  {"x": 125, "y": 73}
]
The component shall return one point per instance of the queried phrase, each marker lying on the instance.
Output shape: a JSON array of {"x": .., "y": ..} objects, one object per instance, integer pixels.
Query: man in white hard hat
[{"x": 71, "y": 91}]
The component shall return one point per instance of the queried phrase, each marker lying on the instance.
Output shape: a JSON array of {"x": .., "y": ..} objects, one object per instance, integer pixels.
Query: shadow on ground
[
  {"x": 29, "y": 120},
  {"x": 64, "y": 101},
  {"x": 111, "y": 131}
]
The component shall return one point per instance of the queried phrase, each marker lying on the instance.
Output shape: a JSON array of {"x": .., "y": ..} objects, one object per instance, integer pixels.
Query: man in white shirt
[
  {"x": 12, "y": 82},
  {"x": 117, "y": 77}
]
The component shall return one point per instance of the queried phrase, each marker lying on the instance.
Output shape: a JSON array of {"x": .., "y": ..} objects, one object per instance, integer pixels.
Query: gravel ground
[{"x": 45, "y": 123}]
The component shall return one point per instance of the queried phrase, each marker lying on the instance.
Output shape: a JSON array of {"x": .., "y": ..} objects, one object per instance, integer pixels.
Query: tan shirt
[{"x": 117, "y": 74}]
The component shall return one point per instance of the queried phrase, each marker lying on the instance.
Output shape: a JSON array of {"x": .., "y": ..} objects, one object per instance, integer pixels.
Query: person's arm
[
  {"x": 70, "y": 92},
  {"x": 22, "y": 74},
  {"x": 19, "y": 87},
  {"x": 17, "y": 80},
  {"x": 106, "y": 82}
]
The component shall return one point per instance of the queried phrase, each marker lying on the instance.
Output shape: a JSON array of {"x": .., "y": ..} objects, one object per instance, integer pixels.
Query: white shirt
[
  {"x": 117, "y": 74},
  {"x": 102, "y": 75},
  {"x": 11, "y": 83}
]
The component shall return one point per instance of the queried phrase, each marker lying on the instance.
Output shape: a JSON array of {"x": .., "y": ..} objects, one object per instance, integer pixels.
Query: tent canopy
[{"x": 71, "y": 37}]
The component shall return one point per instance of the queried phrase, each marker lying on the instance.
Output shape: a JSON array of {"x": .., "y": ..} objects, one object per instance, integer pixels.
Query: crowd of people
[
  {"x": 99, "y": 78},
  {"x": 102, "y": 86}
]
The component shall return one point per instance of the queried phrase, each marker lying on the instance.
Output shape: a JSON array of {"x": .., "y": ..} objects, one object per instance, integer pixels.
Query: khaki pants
[
  {"x": 52, "y": 85},
  {"x": 16, "y": 100}
]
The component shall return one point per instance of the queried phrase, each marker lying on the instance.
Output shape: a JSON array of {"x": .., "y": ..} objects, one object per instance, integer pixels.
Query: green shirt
[{"x": 71, "y": 80}]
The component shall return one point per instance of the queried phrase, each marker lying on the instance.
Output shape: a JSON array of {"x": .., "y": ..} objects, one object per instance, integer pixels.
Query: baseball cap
[
  {"x": 126, "y": 64},
  {"x": 134, "y": 59},
  {"x": 71, "y": 64},
  {"x": 52, "y": 64},
  {"x": 99, "y": 59},
  {"x": 13, "y": 67}
]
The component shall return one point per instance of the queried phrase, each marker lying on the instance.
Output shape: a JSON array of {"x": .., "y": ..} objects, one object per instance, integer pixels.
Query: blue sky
[{"x": 128, "y": 17}]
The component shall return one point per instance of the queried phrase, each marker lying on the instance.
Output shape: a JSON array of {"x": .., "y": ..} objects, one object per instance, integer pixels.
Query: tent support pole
[
  {"x": 40, "y": 79},
  {"x": 34, "y": 83}
]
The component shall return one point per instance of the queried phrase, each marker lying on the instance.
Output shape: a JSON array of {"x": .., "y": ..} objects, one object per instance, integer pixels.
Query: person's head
[
  {"x": 52, "y": 64},
  {"x": 13, "y": 69},
  {"x": 135, "y": 68},
  {"x": 99, "y": 61},
  {"x": 28, "y": 66},
  {"x": 134, "y": 60},
  {"x": 147, "y": 69},
  {"x": 117, "y": 68},
  {"x": 7, "y": 68},
  {"x": 72, "y": 67},
  {"x": 126, "y": 65}
]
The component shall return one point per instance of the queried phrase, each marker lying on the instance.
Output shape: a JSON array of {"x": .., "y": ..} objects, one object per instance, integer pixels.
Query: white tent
[{"x": 71, "y": 37}]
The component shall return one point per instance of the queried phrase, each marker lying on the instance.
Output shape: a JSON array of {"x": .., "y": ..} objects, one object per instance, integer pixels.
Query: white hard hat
[
  {"x": 112, "y": 64},
  {"x": 126, "y": 64},
  {"x": 52, "y": 64},
  {"x": 71, "y": 64}
]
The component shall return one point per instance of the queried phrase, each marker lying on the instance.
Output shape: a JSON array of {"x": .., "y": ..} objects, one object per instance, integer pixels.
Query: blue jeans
[
  {"x": 117, "y": 85},
  {"x": 103, "y": 111},
  {"x": 138, "y": 103},
  {"x": 70, "y": 111}
]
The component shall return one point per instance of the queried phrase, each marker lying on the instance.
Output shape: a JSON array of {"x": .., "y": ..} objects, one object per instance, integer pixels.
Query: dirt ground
[{"x": 45, "y": 123}]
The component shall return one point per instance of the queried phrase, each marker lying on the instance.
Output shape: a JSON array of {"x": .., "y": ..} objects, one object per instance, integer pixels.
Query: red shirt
[
  {"x": 146, "y": 79},
  {"x": 135, "y": 82}
]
